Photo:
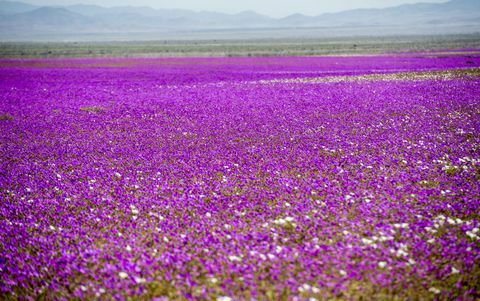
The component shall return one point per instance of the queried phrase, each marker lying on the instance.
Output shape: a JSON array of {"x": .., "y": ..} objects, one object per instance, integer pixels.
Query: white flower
[
  {"x": 128, "y": 248},
  {"x": 224, "y": 298},
  {"x": 434, "y": 290},
  {"x": 227, "y": 226},
  {"x": 451, "y": 221},
  {"x": 123, "y": 275},
  {"x": 382, "y": 264},
  {"x": 140, "y": 280},
  {"x": 471, "y": 234},
  {"x": 118, "y": 175},
  {"x": 402, "y": 225},
  {"x": 304, "y": 288},
  {"x": 271, "y": 256},
  {"x": 208, "y": 215},
  {"x": 454, "y": 271},
  {"x": 367, "y": 241},
  {"x": 234, "y": 258},
  {"x": 343, "y": 273}
]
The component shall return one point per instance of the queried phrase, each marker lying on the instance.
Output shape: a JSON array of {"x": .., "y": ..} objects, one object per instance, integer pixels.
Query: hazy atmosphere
[
  {"x": 272, "y": 8},
  {"x": 87, "y": 20},
  {"x": 251, "y": 150}
]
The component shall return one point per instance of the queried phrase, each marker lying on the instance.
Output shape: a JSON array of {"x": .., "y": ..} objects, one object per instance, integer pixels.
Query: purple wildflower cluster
[{"x": 241, "y": 178}]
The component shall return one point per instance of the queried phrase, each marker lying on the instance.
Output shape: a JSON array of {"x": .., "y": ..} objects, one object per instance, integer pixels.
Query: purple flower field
[{"x": 321, "y": 178}]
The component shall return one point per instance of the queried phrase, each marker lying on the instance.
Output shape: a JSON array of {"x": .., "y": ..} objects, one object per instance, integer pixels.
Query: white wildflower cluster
[
  {"x": 454, "y": 221},
  {"x": 100, "y": 292},
  {"x": 441, "y": 220},
  {"x": 373, "y": 240},
  {"x": 401, "y": 251},
  {"x": 160, "y": 217},
  {"x": 285, "y": 221},
  {"x": 367, "y": 200},
  {"x": 369, "y": 242},
  {"x": 473, "y": 234},
  {"x": 123, "y": 275},
  {"x": 240, "y": 213},
  {"x": 234, "y": 258},
  {"x": 468, "y": 161},
  {"x": 350, "y": 198},
  {"x": 307, "y": 288},
  {"x": 445, "y": 192},
  {"x": 134, "y": 212},
  {"x": 446, "y": 164},
  {"x": 263, "y": 256},
  {"x": 400, "y": 226}
]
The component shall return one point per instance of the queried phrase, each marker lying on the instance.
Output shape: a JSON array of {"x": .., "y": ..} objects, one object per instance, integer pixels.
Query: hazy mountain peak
[{"x": 16, "y": 16}]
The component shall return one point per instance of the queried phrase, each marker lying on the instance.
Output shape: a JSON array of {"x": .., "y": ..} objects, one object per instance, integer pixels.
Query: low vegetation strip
[{"x": 402, "y": 76}]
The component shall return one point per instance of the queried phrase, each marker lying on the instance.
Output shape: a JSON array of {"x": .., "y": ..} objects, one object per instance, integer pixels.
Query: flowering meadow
[{"x": 290, "y": 178}]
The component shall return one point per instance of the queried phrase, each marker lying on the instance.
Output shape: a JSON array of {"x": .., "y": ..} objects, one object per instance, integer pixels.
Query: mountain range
[{"x": 17, "y": 18}]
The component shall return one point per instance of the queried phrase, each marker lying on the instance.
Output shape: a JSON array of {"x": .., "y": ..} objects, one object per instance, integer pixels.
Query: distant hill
[
  {"x": 48, "y": 18},
  {"x": 18, "y": 19},
  {"x": 8, "y": 7}
]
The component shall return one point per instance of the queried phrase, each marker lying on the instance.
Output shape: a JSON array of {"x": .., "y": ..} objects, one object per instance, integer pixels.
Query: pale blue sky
[{"x": 275, "y": 8}]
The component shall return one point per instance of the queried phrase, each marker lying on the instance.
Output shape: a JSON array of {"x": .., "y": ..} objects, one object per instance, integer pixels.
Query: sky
[{"x": 274, "y": 8}]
